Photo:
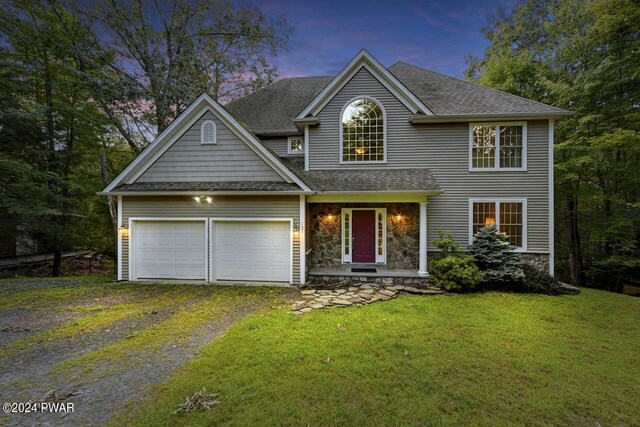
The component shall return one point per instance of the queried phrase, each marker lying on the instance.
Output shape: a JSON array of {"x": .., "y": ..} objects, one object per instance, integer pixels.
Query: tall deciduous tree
[
  {"x": 171, "y": 52},
  {"x": 583, "y": 56},
  {"x": 49, "y": 126}
]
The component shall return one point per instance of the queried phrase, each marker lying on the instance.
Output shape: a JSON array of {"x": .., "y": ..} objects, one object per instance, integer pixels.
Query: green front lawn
[{"x": 479, "y": 359}]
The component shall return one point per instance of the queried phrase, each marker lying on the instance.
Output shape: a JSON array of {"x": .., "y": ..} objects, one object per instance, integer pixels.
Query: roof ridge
[
  {"x": 307, "y": 77},
  {"x": 479, "y": 85}
]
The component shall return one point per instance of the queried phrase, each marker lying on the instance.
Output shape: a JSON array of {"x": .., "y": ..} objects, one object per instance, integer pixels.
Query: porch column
[{"x": 422, "y": 264}]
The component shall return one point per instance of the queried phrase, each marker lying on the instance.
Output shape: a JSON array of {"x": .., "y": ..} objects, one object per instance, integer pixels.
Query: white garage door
[
  {"x": 170, "y": 250},
  {"x": 253, "y": 251}
]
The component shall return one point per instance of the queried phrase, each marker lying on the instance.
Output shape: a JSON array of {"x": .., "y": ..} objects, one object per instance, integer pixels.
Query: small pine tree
[{"x": 496, "y": 258}]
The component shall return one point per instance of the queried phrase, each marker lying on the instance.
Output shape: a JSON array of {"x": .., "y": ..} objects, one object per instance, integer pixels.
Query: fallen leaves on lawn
[
  {"x": 53, "y": 396},
  {"x": 200, "y": 401}
]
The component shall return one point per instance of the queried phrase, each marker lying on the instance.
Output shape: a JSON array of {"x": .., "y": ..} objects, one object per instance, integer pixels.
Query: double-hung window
[
  {"x": 497, "y": 146},
  {"x": 509, "y": 216}
]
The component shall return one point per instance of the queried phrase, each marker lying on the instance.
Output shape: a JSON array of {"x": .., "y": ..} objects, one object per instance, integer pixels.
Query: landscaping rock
[
  {"x": 568, "y": 289},
  {"x": 413, "y": 290},
  {"x": 359, "y": 295}
]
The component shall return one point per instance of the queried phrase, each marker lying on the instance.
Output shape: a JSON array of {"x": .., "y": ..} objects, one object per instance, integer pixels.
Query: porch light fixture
[
  {"x": 296, "y": 229},
  {"x": 489, "y": 222},
  {"x": 124, "y": 230},
  {"x": 398, "y": 216},
  {"x": 330, "y": 217}
]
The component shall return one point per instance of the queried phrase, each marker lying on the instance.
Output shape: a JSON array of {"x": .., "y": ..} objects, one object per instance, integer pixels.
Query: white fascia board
[
  {"x": 167, "y": 133},
  {"x": 381, "y": 197},
  {"x": 170, "y": 135},
  {"x": 366, "y": 60},
  {"x": 209, "y": 193},
  {"x": 461, "y": 118}
]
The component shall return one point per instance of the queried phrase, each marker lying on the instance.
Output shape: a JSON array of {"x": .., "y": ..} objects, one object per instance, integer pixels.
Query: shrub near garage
[{"x": 453, "y": 270}]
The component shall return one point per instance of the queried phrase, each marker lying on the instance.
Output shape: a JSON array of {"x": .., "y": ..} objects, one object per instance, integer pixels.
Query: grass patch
[
  {"x": 15, "y": 292},
  {"x": 101, "y": 316},
  {"x": 176, "y": 328},
  {"x": 480, "y": 359}
]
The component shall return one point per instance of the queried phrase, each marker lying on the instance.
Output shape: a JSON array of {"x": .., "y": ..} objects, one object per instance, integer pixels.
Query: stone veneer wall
[
  {"x": 402, "y": 234},
  {"x": 540, "y": 261}
]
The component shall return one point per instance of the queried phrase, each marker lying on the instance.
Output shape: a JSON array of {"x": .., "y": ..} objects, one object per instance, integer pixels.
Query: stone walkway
[{"x": 356, "y": 294}]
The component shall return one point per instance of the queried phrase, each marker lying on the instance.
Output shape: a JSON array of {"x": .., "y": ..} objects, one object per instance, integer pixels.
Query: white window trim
[
  {"x": 295, "y": 153},
  {"x": 497, "y": 147},
  {"x": 384, "y": 134},
  {"x": 380, "y": 259},
  {"x": 497, "y": 201},
  {"x": 215, "y": 133}
]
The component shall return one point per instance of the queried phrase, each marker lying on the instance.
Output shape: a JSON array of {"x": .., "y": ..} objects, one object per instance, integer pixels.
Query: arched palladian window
[
  {"x": 208, "y": 132},
  {"x": 363, "y": 135}
]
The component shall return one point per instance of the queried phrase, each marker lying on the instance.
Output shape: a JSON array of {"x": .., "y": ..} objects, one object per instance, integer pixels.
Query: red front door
[{"x": 364, "y": 236}]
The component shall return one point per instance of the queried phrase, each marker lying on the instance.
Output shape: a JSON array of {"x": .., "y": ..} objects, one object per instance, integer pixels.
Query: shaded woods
[
  {"x": 584, "y": 57},
  {"x": 83, "y": 89}
]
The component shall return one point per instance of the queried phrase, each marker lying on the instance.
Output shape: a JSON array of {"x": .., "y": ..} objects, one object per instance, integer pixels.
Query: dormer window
[
  {"x": 208, "y": 132},
  {"x": 363, "y": 132},
  {"x": 295, "y": 145}
]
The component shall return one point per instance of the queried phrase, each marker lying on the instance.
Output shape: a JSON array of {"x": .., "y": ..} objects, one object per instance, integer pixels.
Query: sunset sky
[{"x": 432, "y": 34}]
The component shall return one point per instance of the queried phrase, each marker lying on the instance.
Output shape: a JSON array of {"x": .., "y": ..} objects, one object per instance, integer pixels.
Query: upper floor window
[
  {"x": 498, "y": 146},
  {"x": 295, "y": 145},
  {"x": 363, "y": 133},
  {"x": 208, "y": 132}
]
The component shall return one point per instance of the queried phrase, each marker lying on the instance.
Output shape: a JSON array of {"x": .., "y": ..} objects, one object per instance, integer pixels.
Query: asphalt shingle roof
[
  {"x": 272, "y": 109},
  {"x": 448, "y": 95},
  {"x": 364, "y": 180},
  {"x": 209, "y": 186}
]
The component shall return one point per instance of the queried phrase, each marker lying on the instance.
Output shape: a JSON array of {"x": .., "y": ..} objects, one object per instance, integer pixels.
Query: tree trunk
[
  {"x": 576, "y": 274},
  {"x": 57, "y": 262},
  {"x": 113, "y": 208}
]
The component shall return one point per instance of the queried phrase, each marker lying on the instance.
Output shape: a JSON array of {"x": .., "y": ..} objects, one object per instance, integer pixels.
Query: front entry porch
[
  {"x": 372, "y": 240},
  {"x": 371, "y": 271},
  {"x": 366, "y": 273}
]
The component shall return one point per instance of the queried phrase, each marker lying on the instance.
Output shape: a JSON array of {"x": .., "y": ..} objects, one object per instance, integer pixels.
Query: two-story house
[{"x": 332, "y": 175}]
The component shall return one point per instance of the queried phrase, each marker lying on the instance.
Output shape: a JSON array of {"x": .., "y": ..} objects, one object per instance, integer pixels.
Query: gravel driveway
[{"x": 99, "y": 345}]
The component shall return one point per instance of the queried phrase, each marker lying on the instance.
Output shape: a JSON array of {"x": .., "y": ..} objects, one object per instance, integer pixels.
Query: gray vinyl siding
[
  {"x": 279, "y": 146},
  {"x": 443, "y": 149},
  {"x": 229, "y": 160},
  {"x": 223, "y": 207}
]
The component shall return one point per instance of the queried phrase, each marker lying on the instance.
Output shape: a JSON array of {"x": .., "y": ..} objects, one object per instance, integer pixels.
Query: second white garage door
[{"x": 252, "y": 251}]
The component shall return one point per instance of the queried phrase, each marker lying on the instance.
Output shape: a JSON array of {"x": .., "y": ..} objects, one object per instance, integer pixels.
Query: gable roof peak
[
  {"x": 365, "y": 59},
  {"x": 181, "y": 124}
]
